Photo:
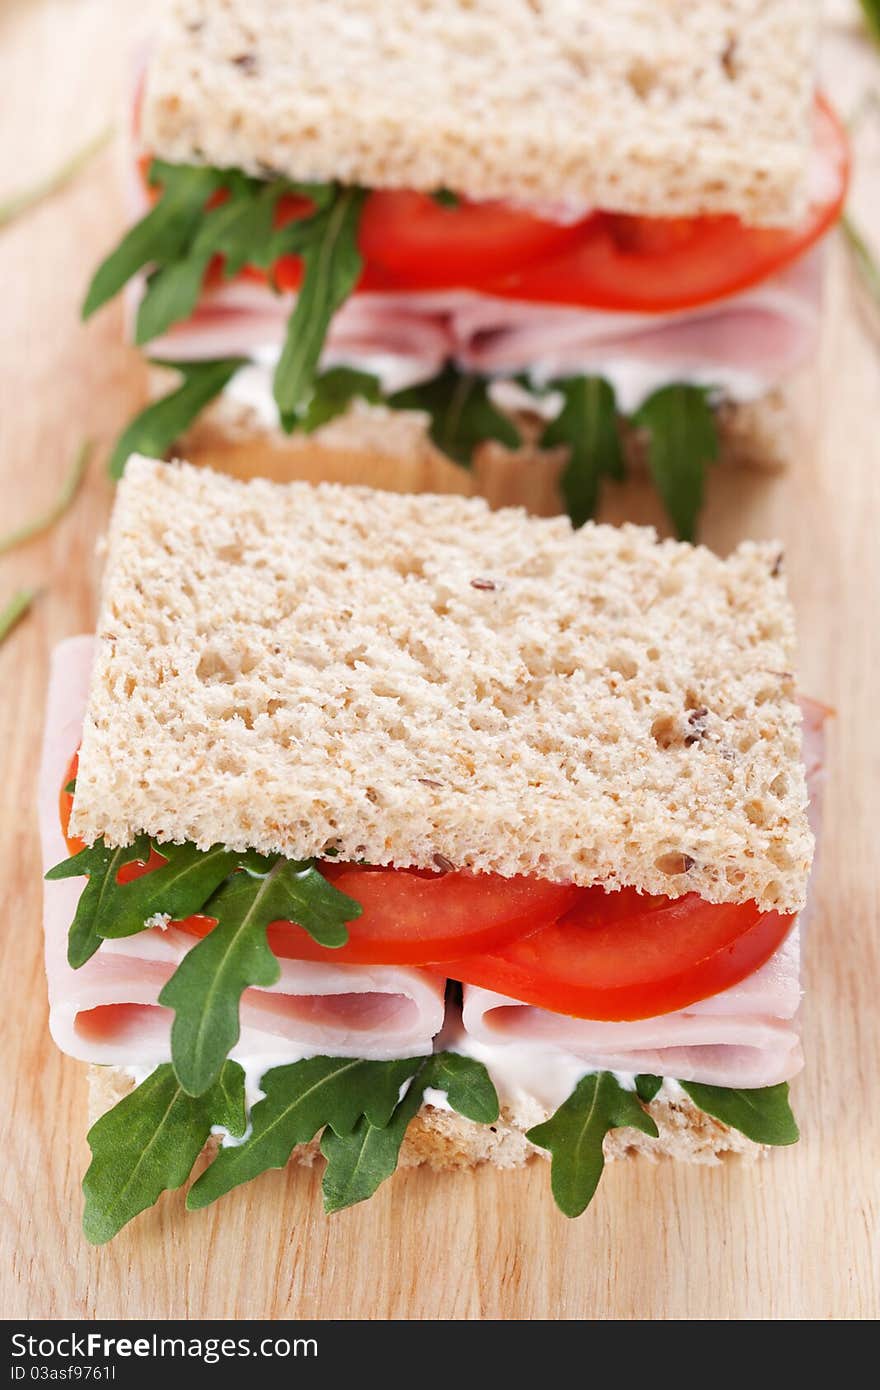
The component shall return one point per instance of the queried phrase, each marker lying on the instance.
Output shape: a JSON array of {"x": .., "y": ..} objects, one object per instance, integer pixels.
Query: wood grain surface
[{"x": 794, "y": 1237}]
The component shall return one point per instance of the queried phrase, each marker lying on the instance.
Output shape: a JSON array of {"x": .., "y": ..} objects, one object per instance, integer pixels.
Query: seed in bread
[
  {"x": 667, "y": 108},
  {"x": 299, "y": 669}
]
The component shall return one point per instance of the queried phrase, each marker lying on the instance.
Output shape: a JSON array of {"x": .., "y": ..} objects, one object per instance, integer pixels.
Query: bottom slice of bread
[
  {"x": 442, "y": 1139},
  {"x": 373, "y": 443},
  {"x": 391, "y": 449}
]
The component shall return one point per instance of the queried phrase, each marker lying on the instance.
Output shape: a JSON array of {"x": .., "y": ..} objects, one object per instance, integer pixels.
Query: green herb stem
[
  {"x": 863, "y": 257},
  {"x": 15, "y": 610},
  {"x": 871, "y": 14},
  {"x": 28, "y": 198},
  {"x": 69, "y": 488}
]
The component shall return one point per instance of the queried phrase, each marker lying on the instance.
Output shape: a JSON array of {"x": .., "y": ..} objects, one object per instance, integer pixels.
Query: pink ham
[
  {"x": 244, "y": 318},
  {"x": 346, "y": 1010},
  {"x": 757, "y": 336},
  {"x": 765, "y": 331},
  {"x": 723, "y": 1049},
  {"x": 744, "y": 1037}
]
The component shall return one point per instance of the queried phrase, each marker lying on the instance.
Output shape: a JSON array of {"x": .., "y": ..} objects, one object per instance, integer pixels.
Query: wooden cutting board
[{"x": 794, "y": 1237}]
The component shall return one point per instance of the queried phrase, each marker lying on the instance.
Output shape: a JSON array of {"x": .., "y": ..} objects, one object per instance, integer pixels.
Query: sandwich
[
  {"x": 400, "y": 830},
  {"x": 564, "y": 237}
]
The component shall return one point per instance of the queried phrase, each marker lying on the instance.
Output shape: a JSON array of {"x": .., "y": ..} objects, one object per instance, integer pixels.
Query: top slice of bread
[
  {"x": 659, "y": 107},
  {"x": 419, "y": 680}
]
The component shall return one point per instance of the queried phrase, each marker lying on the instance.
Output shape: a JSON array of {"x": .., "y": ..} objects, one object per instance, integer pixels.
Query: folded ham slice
[
  {"x": 107, "y": 1011},
  {"x": 732, "y": 1047},
  {"x": 744, "y": 344}
]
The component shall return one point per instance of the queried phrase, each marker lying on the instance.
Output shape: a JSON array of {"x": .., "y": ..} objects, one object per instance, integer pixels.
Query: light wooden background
[{"x": 796, "y": 1237}]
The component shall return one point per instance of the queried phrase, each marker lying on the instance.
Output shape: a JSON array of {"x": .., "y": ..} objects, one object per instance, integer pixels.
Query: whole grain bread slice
[
  {"x": 659, "y": 107},
  {"x": 415, "y": 679}
]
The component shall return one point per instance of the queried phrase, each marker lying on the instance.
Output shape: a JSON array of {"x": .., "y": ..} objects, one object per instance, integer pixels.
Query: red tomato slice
[
  {"x": 651, "y": 265},
  {"x": 606, "y": 261},
  {"x": 136, "y": 868},
  {"x": 65, "y": 806},
  {"x": 286, "y": 273},
  {"x": 417, "y": 241},
  {"x": 621, "y": 956},
  {"x": 411, "y": 917}
]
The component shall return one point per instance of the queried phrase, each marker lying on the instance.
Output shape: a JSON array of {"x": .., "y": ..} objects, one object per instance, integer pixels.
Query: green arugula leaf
[
  {"x": 294, "y": 236},
  {"x": 445, "y": 198},
  {"x": 206, "y": 988},
  {"x": 587, "y": 424},
  {"x": 762, "y": 1114},
  {"x": 241, "y": 230},
  {"x": 171, "y": 295},
  {"x": 182, "y": 232},
  {"x": 327, "y": 242},
  {"x": 101, "y": 864},
  {"x": 682, "y": 440},
  {"x": 647, "y": 1086},
  {"x": 467, "y": 1084},
  {"x": 14, "y": 610},
  {"x": 162, "y": 235},
  {"x": 862, "y": 255},
  {"x": 178, "y": 888},
  {"x": 108, "y": 908},
  {"x": 333, "y": 390},
  {"x": 575, "y": 1134},
  {"x": 299, "y": 1100},
  {"x": 358, "y": 1106},
  {"x": 871, "y": 12},
  {"x": 161, "y": 423},
  {"x": 462, "y": 415},
  {"x": 27, "y": 198},
  {"x": 359, "y": 1161},
  {"x": 303, "y": 895},
  {"x": 69, "y": 488},
  {"x": 149, "y": 1142},
  {"x": 231, "y": 1111}
]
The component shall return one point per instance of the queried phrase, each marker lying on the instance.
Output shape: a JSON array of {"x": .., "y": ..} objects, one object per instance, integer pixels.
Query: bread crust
[
  {"x": 662, "y": 109},
  {"x": 441, "y": 1139}
]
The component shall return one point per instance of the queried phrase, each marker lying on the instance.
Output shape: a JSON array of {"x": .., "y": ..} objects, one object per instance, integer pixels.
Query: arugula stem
[
  {"x": 46, "y": 519},
  {"x": 461, "y": 391},
  {"x": 15, "y": 610},
  {"x": 871, "y": 17},
  {"x": 864, "y": 260},
  {"x": 28, "y": 198}
]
